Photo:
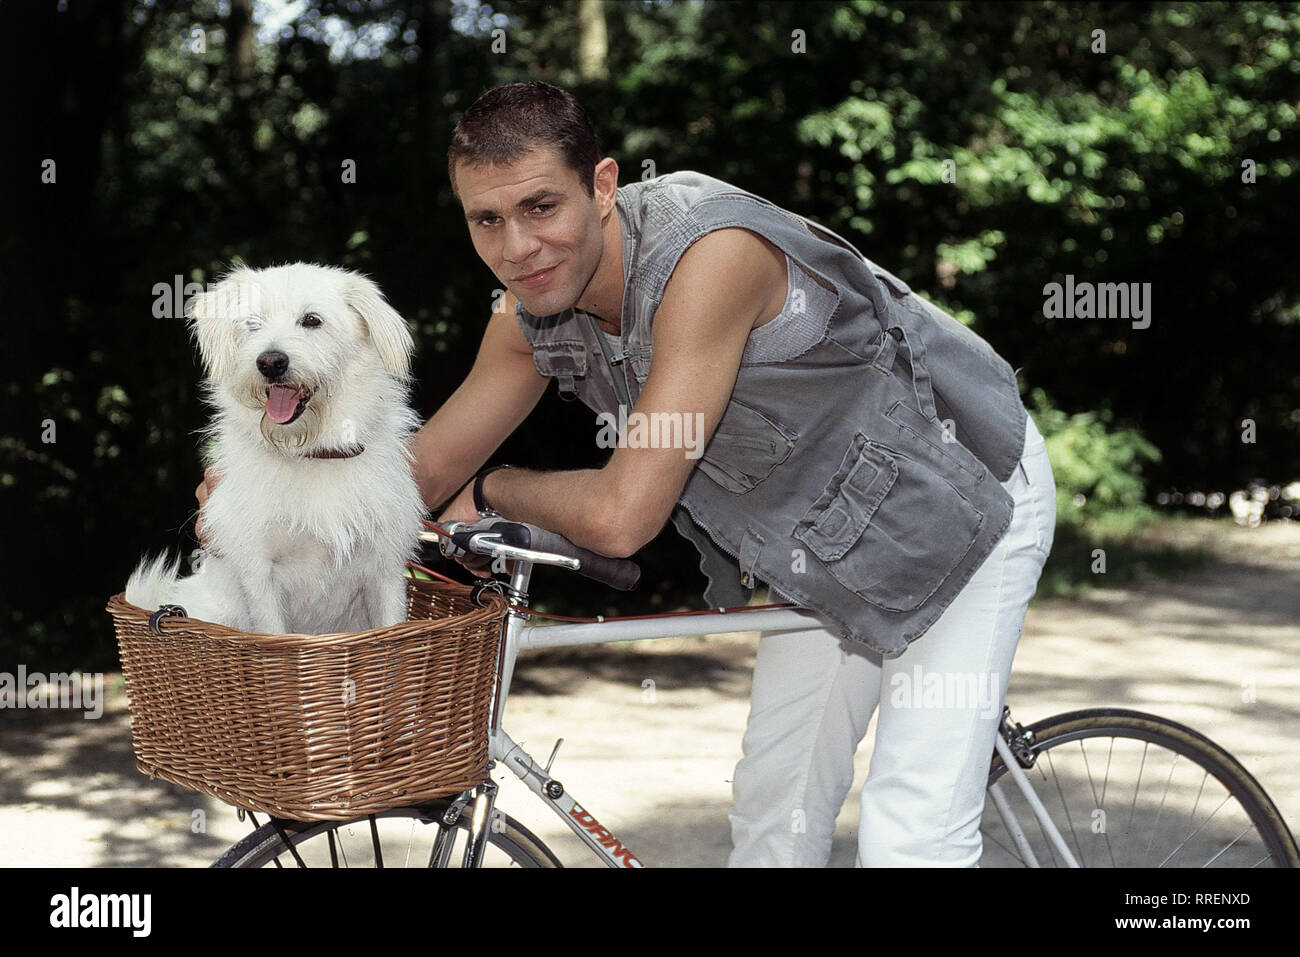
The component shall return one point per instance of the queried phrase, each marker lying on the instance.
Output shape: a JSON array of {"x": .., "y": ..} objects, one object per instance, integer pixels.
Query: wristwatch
[{"x": 480, "y": 506}]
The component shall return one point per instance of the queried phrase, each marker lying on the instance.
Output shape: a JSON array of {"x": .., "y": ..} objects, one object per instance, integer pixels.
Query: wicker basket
[{"x": 316, "y": 727}]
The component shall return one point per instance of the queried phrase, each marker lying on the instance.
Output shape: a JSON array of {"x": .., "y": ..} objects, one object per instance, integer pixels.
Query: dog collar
[{"x": 337, "y": 453}]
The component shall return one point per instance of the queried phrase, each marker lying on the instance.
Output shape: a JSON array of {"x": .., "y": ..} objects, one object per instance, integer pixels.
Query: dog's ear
[
  {"x": 212, "y": 324},
  {"x": 387, "y": 328}
]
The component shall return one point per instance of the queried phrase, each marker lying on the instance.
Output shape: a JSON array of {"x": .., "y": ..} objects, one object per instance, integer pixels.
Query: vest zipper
[
  {"x": 618, "y": 378},
  {"x": 749, "y": 442},
  {"x": 722, "y": 545}
]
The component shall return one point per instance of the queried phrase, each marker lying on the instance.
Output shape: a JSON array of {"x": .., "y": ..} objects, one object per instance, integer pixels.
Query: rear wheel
[{"x": 1128, "y": 789}]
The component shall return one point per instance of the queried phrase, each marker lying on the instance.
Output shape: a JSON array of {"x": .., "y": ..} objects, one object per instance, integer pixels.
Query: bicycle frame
[{"x": 520, "y": 636}]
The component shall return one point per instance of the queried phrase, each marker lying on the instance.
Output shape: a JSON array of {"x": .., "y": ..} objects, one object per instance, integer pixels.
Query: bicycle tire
[
  {"x": 266, "y": 844},
  {"x": 1118, "y": 723}
]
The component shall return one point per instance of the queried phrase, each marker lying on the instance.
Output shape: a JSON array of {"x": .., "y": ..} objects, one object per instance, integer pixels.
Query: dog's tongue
[{"x": 282, "y": 403}]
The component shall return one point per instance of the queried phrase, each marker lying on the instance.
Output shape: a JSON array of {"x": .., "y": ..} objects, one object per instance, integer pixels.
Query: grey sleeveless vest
[{"x": 861, "y": 477}]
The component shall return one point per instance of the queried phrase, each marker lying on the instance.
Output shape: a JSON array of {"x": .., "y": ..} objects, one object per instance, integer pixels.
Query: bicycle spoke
[
  {"x": 1100, "y": 805},
  {"x": 288, "y": 844},
  {"x": 1007, "y": 850},
  {"x": 443, "y": 846},
  {"x": 1110, "y": 753},
  {"x": 1183, "y": 843},
  {"x": 1233, "y": 841},
  {"x": 1191, "y": 817},
  {"x": 1156, "y": 827},
  {"x": 1069, "y": 820},
  {"x": 1137, "y": 789},
  {"x": 1006, "y": 825},
  {"x": 1047, "y": 841},
  {"x": 409, "y": 841},
  {"x": 374, "y": 838}
]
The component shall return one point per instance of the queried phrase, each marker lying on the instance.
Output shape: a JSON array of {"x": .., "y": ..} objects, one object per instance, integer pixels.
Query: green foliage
[
  {"x": 979, "y": 151},
  {"x": 1102, "y": 512},
  {"x": 1098, "y": 469}
]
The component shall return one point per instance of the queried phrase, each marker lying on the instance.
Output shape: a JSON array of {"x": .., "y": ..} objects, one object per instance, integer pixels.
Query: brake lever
[
  {"x": 500, "y": 548},
  {"x": 445, "y": 543}
]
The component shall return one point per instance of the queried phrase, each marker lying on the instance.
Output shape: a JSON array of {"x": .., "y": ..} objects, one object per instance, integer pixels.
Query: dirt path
[{"x": 1218, "y": 650}]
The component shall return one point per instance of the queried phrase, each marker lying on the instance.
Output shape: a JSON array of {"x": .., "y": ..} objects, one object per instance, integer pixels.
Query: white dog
[{"x": 317, "y": 510}]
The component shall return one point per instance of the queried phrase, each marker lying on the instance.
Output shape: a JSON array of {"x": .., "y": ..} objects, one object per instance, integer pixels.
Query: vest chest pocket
[
  {"x": 564, "y": 360},
  {"x": 889, "y": 528},
  {"x": 945, "y": 451},
  {"x": 897, "y": 288},
  {"x": 745, "y": 448}
]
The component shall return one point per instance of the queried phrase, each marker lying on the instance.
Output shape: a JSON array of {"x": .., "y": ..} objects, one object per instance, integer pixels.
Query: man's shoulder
[
  {"x": 681, "y": 179},
  {"x": 677, "y": 193},
  {"x": 681, "y": 207},
  {"x": 674, "y": 214}
]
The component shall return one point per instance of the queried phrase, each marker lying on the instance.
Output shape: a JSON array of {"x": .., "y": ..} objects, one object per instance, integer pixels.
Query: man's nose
[
  {"x": 273, "y": 365},
  {"x": 520, "y": 243}
]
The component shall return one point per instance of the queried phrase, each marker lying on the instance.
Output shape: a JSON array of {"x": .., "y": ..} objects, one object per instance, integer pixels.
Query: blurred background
[{"x": 147, "y": 144}]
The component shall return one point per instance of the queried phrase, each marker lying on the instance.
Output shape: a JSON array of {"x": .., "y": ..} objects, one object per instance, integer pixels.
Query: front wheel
[
  {"x": 1127, "y": 789},
  {"x": 401, "y": 837}
]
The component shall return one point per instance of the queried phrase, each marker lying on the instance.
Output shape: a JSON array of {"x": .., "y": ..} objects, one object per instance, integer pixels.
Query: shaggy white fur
[{"x": 301, "y": 360}]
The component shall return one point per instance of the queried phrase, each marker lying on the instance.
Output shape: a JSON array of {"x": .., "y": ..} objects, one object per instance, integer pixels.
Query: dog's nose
[{"x": 273, "y": 365}]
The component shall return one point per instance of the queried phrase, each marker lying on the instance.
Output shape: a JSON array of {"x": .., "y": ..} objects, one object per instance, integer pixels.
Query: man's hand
[
  {"x": 461, "y": 509},
  {"x": 211, "y": 476}
]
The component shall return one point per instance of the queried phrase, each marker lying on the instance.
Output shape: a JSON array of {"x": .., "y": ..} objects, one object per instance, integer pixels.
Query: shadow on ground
[{"x": 1186, "y": 647}]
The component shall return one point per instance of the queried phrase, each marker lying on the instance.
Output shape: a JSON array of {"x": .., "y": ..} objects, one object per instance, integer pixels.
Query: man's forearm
[
  {"x": 438, "y": 477},
  {"x": 497, "y": 395},
  {"x": 572, "y": 503}
]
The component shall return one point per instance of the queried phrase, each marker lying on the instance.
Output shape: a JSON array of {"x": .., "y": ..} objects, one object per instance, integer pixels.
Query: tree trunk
[
  {"x": 592, "y": 42},
  {"x": 241, "y": 39}
]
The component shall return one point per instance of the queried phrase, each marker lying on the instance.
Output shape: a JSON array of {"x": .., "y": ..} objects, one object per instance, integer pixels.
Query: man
[{"x": 864, "y": 454}]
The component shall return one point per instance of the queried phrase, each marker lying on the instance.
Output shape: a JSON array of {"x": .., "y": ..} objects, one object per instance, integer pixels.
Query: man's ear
[
  {"x": 388, "y": 330},
  {"x": 605, "y": 183},
  {"x": 212, "y": 316}
]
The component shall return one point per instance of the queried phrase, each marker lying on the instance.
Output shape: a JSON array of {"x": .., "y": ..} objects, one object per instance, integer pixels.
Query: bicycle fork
[{"x": 478, "y": 829}]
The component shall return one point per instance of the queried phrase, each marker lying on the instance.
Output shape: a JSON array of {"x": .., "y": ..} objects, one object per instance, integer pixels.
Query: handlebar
[{"x": 498, "y": 538}]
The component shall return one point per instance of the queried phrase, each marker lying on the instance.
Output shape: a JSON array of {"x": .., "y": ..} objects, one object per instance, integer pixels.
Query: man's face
[{"x": 534, "y": 225}]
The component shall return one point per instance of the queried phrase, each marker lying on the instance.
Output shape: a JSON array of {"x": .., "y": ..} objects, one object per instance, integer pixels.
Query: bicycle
[{"x": 1241, "y": 826}]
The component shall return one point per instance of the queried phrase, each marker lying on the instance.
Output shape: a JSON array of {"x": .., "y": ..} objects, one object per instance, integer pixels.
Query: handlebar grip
[{"x": 615, "y": 572}]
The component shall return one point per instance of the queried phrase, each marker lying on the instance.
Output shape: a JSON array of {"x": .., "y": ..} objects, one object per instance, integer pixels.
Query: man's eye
[
  {"x": 545, "y": 207},
  {"x": 488, "y": 220},
  {"x": 310, "y": 320}
]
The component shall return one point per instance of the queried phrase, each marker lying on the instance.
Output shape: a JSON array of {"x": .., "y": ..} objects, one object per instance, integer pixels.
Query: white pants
[{"x": 940, "y": 704}]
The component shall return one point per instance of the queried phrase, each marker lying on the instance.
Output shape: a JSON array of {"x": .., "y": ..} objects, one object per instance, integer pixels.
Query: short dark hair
[{"x": 511, "y": 120}]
